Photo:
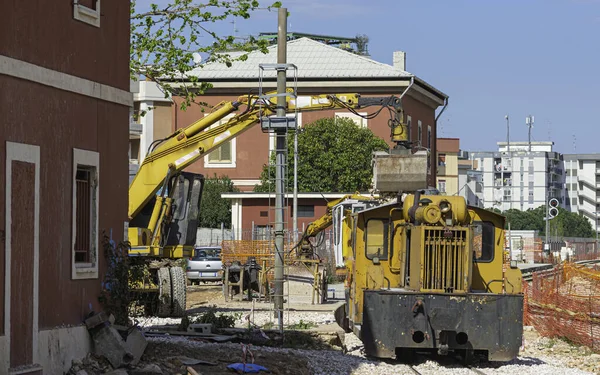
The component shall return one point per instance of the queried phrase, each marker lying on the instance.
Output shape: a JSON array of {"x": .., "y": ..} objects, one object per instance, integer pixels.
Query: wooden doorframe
[{"x": 29, "y": 154}]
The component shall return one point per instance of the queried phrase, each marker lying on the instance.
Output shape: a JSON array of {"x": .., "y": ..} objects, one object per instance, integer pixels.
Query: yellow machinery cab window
[
  {"x": 376, "y": 243},
  {"x": 483, "y": 241}
]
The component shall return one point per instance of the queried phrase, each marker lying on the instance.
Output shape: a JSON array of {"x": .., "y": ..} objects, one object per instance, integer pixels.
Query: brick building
[
  {"x": 64, "y": 100},
  {"x": 321, "y": 69}
]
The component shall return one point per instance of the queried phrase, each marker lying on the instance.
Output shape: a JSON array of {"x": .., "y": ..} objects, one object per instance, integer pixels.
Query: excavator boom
[{"x": 176, "y": 152}]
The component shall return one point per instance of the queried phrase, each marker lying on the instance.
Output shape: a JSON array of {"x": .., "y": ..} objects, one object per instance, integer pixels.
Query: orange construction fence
[{"x": 564, "y": 302}]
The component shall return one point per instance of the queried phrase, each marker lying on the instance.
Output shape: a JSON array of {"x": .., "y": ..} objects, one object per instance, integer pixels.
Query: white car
[{"x": 205, "y": 265}]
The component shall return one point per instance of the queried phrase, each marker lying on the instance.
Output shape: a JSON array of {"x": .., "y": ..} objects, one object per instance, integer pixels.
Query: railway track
[{"x": 528, "y": 275}]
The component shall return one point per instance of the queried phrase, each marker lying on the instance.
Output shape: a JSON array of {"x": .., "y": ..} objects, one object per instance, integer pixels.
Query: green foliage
[
  {"x": 334, "y": 155},
  {"x": 302, "y": 325},
  {"x": 566, "y": 224},
  {"x": 214, "y": 209},
  {"x": 217, "y": 320},
  {"x": 165, "y": 36},
  {"x": 116, "y": 296}
]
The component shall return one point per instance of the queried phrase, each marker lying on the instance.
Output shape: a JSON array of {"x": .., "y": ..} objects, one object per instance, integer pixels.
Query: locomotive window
[
  {"x": 483, "y": 241},
  {"x": 376, "y": 243}
]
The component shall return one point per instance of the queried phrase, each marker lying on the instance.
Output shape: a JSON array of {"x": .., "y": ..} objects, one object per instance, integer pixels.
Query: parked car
[{"x": 205, "y": 265}]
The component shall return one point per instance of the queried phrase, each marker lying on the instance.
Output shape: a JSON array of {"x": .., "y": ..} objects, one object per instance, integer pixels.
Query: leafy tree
[
  {"x": 165, "y": 37},
  {"x": 334, "y": 155},
  {"x": 214, "y": 209},
  {"x": 566, "y": 224}
]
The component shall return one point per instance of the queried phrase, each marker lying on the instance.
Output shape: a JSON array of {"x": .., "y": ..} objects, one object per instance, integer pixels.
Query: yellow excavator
[{"x": 165, "y": 201}]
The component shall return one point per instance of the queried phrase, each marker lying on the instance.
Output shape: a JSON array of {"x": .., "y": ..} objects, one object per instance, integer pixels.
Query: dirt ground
[{"x": 223, "y": 355}]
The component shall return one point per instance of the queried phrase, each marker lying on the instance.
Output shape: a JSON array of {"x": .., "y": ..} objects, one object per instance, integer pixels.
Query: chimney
[{"x": 400, "y": 60}]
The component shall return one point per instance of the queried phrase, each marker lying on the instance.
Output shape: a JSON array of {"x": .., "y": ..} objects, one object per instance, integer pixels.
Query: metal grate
[
  {"x": 445, "y": 260},
  {"x": 83, "y": 216}
]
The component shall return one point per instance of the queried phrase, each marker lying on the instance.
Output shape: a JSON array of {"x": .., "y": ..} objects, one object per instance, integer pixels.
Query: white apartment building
[
  {"x": 521, "y": 176},
  {"x": 470, "y": 180},
  {"x": 583, "y": 186}
]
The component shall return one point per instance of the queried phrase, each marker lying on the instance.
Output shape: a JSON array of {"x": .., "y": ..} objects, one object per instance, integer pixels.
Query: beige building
[{"x": 447, "y": 165}]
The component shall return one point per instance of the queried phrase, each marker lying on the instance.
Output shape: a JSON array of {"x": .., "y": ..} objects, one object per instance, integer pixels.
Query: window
[
  {"x": 264, "y": 213},
  {"x": 306, "y": 211},
  {"x": 225, "y": 155},
  {"x": 530, "y": 200},
  {"x": 262, "y": 232},
  {"x": 362, "y": 122},
  {"x": 442, "y": 186},
  {"x": 573, "y": 201},
  {"x": 87, "y": 11},
  {"x": 376, "y": 243},
  {"x": 428, "y": 136},
  {"x": 420, "y": 133},
  {"x": 409, "y": 125},
  {"x": 483, "y": 241},
  {"x": 86, "y": 167},
  {"x": 441, "y": 160}
]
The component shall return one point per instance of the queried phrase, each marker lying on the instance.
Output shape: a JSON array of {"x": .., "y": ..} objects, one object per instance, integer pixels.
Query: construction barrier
[{"x": 564, "y": 302}]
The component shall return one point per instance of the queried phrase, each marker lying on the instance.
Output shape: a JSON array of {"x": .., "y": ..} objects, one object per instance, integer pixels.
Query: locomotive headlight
[{"x": 445, "y": 206}]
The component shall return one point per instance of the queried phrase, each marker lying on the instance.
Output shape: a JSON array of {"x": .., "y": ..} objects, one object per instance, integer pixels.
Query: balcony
[{"x": 135, "y": 130}]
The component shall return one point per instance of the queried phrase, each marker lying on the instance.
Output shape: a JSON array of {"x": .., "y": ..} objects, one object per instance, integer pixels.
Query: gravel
[{"x": 330, "y": 362}]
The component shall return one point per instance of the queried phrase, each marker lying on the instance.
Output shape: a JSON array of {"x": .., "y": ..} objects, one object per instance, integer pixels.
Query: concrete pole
[{"x": 279, "y": 166}]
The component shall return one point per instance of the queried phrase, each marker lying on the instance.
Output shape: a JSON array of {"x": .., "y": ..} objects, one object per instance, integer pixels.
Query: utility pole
[
  {"x": 279, "y": 164},
  {"x": 510, "y": 187}
]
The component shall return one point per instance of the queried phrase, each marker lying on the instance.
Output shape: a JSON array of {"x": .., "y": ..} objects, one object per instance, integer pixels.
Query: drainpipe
[{"x": 434, "y": 154}]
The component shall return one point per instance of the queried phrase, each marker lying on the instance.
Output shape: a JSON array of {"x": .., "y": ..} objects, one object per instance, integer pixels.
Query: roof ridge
[{"x": 352, "y": 54}]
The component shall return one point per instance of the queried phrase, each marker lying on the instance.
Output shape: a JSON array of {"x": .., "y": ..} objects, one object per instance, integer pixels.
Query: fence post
[{"x": 222, "y": 231}]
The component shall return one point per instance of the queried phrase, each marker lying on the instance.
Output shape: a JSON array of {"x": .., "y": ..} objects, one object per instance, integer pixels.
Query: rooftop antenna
[
  {"x": 529, "y": 120},
  {"x": 574, "y": 144}
]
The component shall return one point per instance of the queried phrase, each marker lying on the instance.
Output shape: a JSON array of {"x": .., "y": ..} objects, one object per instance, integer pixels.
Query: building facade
[
  {"x": 321, "y": 69},
  {"x": 447, "y": 165},
  {"x": 521, "y": 175},
  {"x": 583, "y": 186},
  {"x": 64, "y": 100},
  {"x": 470, "y": 180}
]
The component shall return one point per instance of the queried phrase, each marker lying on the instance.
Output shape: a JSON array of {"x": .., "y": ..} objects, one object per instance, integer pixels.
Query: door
[{"x": 22, "y": 258}]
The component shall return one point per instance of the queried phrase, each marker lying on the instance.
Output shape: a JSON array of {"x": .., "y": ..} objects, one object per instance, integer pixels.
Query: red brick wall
[
  {"x": 45, "y": 120},
  {"x": 45, "y": 33},
  {"x": 252, "y": 207}
]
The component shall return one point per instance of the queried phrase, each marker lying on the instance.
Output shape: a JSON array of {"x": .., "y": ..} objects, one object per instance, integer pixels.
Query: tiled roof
[{"x": 313, "y": 60}]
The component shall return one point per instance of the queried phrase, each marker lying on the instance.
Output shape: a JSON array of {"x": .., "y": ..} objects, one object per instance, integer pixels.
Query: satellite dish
[{"x": 197, "y": 58}]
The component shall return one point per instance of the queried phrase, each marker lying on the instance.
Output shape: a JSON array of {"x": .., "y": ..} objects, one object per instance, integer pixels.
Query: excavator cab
[{"x": 179, "y": 224}]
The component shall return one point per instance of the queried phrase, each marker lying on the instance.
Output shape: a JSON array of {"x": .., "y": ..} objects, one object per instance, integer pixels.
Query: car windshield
[{"x": 207, "y": 253}]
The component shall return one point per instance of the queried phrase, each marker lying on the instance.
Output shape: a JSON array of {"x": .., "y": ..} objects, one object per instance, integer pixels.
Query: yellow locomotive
[{"x": 429, "y": 273}]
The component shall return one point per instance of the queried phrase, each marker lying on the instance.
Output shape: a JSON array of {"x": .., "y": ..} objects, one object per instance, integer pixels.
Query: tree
[
  {"x": 566, "y": 224},
  {"x": 334, "y": 155},
  {"x": 165, "y": 39},
  {"x": 214, "y": 209}
]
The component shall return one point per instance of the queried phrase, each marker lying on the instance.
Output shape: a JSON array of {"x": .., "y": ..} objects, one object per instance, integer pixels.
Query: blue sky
[{"x": 492, "y": 57}]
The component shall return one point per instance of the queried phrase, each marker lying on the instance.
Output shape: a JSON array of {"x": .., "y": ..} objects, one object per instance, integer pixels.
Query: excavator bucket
[{"x": 399, "y": 172}]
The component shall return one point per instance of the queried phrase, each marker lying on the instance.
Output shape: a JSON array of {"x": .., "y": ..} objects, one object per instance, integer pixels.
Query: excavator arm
[{"x": 176, "y": 152}]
